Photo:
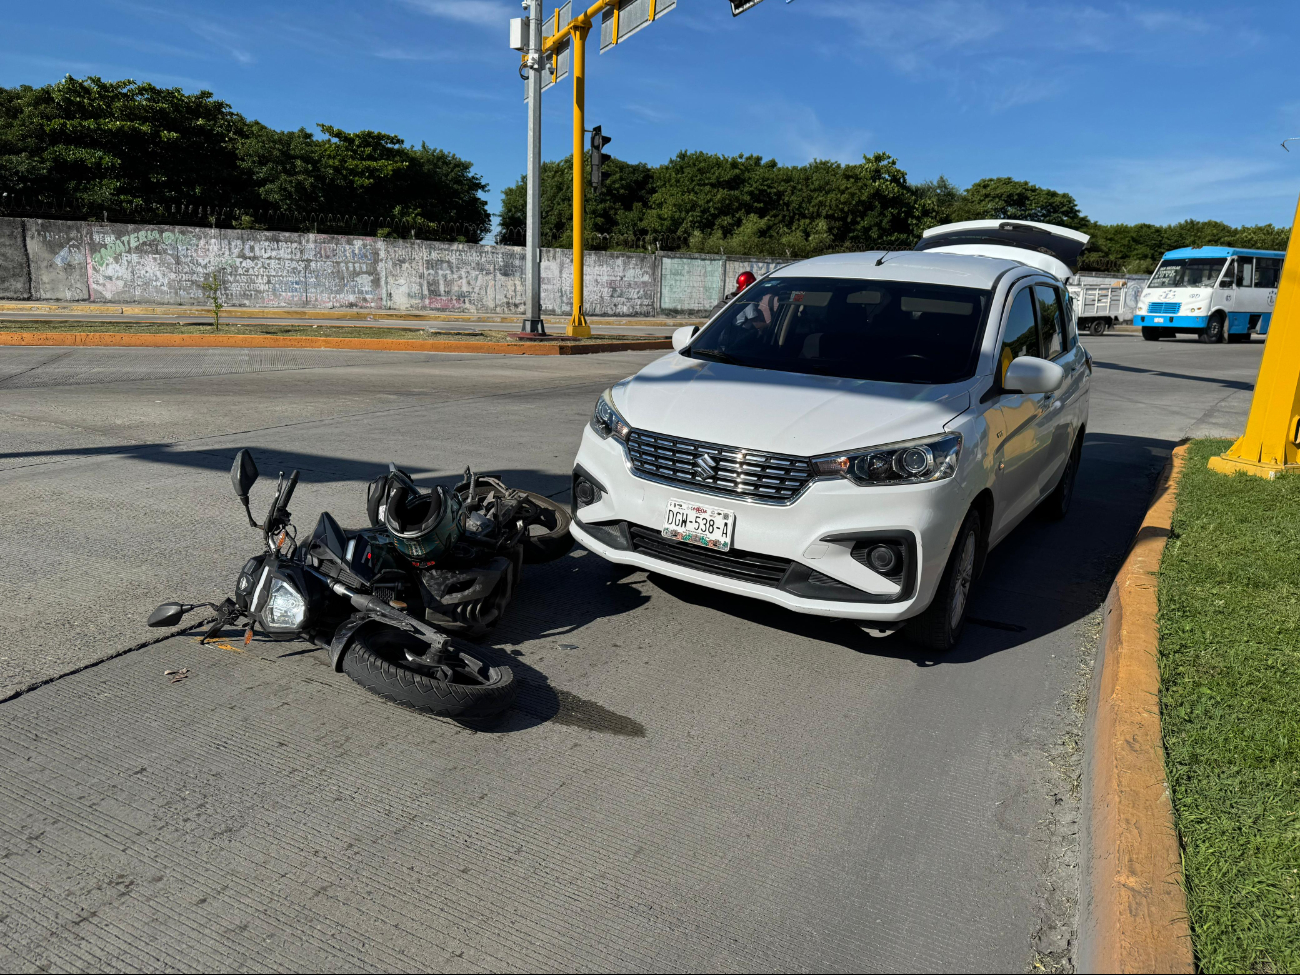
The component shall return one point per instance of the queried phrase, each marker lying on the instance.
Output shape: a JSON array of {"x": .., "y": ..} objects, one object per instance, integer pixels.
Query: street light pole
[{"x": 532, "y": 240}]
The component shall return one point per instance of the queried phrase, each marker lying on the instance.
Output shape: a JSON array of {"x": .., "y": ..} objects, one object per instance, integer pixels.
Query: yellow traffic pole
[
  {"x": 1271, "y": 444},
  {"x": 578, "y": 326}
]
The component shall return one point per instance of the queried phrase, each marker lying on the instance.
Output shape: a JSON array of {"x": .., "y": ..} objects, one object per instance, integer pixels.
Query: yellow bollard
[{"x": 1271, "y": 444}]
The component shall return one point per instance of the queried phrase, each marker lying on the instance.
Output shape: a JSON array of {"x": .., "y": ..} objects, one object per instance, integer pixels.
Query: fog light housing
[
  {"x": 586, "y": 492},
  {"x": 883, "y": 559}
]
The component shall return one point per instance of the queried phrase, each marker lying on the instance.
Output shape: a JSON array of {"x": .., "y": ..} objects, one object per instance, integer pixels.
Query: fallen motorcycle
[{"x": 393, "y": 603}]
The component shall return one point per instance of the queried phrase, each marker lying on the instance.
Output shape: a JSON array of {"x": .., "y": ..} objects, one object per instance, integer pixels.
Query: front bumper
[
  {"x": 1188, "y": 323},
  {"x": 815, "y": 534}
]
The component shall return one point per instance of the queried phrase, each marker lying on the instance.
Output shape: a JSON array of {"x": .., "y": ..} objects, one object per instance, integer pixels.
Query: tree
[
  {"x": 1004, "y": 198},
  {"x": 145, "y": 153}
]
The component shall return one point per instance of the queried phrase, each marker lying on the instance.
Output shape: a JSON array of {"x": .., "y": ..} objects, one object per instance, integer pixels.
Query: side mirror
[
  {"x": 1030, "y": 374},
  {"x": 243, "y": 474},
  {"x": 682, "y": 337},
  {"x": 168, "y": 614}
]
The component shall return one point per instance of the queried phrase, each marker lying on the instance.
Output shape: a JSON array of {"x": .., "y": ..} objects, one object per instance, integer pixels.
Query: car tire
[
  {"x": 1214, "y": 332},
  {"x": 1057, "y": 504},
  {"x": 377, "y": 661},
  {"x": 941, "y": 625},
  {"x": 1150, "y": 334},
  {"x": 1098, "y": 326}
]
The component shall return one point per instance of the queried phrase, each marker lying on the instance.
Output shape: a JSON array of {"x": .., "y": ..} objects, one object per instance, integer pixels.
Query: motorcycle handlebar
[{"x": 288, "y": 492}]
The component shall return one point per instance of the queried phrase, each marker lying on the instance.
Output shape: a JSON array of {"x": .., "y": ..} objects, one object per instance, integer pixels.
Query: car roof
[{"x": 921, "y": 267}]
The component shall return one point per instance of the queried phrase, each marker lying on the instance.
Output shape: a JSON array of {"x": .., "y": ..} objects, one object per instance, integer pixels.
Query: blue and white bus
[{"x": 1215, "y": 293}]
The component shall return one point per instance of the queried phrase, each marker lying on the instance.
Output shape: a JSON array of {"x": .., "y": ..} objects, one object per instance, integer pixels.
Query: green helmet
[{"x": 424, "y": 525}]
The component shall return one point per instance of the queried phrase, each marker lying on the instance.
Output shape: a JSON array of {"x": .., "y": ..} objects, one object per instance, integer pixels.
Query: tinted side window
[
  {"x": 1268, "y": 271},
  {"x": 1229, "y": 279},
  {"x": 1071, "y": 321},
  {"x": 1020, "y": 337},
  {"x": 1051, "y": 321}
]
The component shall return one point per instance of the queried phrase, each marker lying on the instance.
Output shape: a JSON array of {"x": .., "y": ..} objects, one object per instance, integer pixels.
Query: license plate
[
  {"x": 699, "y": 524},
  {"x": 1157, "y": 319}
]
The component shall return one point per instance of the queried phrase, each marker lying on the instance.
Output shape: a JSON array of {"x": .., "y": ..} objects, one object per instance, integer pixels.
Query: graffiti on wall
[{"x": 67, "y": 261}]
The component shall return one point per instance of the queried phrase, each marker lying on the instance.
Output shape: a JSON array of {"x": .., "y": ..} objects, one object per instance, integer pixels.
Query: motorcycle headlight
[
  {"x": 605, "y": 419},
  {"x": 285, "y": 606},
  {"x": 909, "y": 462}
]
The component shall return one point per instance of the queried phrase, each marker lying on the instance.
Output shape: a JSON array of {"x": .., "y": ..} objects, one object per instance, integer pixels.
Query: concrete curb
[
  {"x": 309, "y": 314},
  {"x": 165, "y": 341},
  {"x": 1133, "y": 911}
]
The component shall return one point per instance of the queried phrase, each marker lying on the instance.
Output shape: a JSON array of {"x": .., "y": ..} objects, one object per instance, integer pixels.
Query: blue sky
[{"x": 1143, "y": 111}]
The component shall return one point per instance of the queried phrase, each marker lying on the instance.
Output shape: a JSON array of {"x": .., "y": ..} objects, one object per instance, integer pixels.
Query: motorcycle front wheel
[{"x": 376, "y": 659}]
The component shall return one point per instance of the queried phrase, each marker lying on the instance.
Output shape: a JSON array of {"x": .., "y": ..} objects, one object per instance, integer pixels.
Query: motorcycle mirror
[
  {"x": 168, "y": 614},
  {"x": 243, "y": 474}
]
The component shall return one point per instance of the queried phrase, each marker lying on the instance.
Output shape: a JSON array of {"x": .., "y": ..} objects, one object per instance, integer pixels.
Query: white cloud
[
  {"x": 803, "y": 136},
  {"x": 483, "y": 13},
  {"x": 1166, "y": 189}
]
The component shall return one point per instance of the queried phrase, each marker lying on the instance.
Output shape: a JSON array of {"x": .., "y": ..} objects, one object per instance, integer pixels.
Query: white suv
[{"x": 851, "y": 434}]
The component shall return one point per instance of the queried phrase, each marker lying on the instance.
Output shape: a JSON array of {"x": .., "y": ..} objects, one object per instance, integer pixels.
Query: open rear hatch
[{"x": 1041, "y": 245}]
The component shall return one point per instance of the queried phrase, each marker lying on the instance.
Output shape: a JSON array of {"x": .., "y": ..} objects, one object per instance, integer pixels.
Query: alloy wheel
[{"x": 962, "y": 579}]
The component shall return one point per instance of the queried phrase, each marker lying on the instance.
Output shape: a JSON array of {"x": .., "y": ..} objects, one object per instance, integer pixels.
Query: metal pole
[
  {"x": 578, "y": 323},
  {"x": 532, "y": 243}
]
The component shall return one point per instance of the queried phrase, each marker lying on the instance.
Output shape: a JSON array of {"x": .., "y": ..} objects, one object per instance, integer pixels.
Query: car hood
[{"x": 784, "y": 412}]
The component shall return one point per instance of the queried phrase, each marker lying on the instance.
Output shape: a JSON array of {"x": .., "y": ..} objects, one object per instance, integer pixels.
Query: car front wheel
[{"x": 940, "y": 626}]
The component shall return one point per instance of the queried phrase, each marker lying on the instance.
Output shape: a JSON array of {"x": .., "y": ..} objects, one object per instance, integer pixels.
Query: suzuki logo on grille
[{"x": 705, "y": 467}]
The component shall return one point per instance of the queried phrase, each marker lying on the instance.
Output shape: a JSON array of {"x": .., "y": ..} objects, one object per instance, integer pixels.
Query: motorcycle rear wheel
[
  {"x": 548, "y": 537},
  {"x": 377, "y": 661}
]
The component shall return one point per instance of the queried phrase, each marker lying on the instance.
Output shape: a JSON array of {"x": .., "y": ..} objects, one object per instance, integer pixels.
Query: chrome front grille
[{"x": 717, "y": 469}]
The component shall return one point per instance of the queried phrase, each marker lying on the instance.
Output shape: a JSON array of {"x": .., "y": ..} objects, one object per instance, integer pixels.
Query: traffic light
[{"x": 598, "y": 158}]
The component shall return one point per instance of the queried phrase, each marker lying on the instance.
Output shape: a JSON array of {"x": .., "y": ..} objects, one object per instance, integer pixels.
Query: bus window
[
  {"x": 1268, "y": 271},
  {"x": 1229, "y": 279},
  {"x": 1186, "y": 272},
  {"x": 1245, "y": 272}
]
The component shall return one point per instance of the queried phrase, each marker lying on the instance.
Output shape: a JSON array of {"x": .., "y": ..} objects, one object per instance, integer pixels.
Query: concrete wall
[{"x": 54, "y": 260}]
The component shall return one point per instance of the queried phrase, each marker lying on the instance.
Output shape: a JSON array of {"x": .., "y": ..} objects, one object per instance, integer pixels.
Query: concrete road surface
[
  {"x": 690, "y": 781},
  {"x": 555, "y": 327}
]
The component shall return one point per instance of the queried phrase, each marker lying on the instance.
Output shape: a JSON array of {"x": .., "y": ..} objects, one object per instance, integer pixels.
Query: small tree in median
[{"x": 211, "y": 286}]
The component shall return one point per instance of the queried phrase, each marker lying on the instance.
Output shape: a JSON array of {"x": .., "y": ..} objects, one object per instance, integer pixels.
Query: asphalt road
[{"x": 690, "y": 782}]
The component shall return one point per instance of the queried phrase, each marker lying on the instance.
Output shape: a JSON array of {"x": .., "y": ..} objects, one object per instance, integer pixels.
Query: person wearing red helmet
[{"x": 743, "y": 281}]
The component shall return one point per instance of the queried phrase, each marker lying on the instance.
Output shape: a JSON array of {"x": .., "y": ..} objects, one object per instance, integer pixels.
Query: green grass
[{"x": 1230, "y": 711}]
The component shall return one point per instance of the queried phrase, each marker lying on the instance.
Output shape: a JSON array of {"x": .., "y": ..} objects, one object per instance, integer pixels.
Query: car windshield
[
  {"x": 889, "y": 331},
  {"x": 1187, "y": 272}
]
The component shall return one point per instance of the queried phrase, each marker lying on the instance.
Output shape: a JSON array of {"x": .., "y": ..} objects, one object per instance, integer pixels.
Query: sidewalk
[{"x": 71, "y": 309}]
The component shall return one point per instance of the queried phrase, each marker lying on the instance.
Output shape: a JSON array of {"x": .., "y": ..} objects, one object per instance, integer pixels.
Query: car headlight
[
  {"x": 605, "y": 419},
  {"x": 909, "y": 462},
  {"x": 285, "y": 607}
]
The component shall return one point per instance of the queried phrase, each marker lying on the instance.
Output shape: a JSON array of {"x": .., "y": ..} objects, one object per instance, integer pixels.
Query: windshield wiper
[{"x": 716, "y": 356}]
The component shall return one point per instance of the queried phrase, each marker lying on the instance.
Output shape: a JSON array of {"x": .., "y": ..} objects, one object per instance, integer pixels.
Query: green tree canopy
[
  {"x": 142, "y": 152},
  {"x": 705, "y": 202},
  {"x": 739, "y": 204}
]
